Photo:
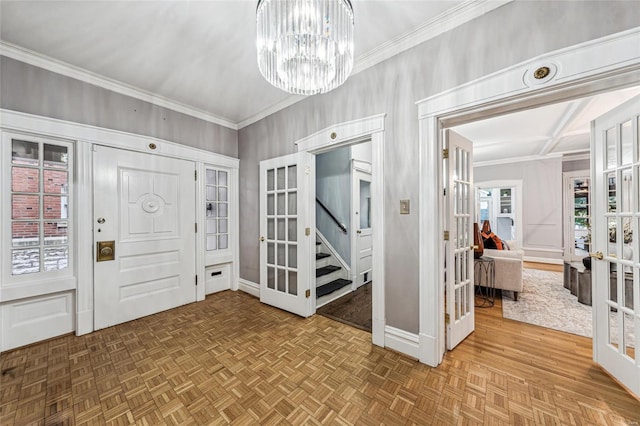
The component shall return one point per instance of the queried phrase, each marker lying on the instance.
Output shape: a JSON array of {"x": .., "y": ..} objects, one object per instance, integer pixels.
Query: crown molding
[
  {"x": 42, "y": 61},
  {"x": 444, "y": 22},
  {"x": 448, "y": 20}
]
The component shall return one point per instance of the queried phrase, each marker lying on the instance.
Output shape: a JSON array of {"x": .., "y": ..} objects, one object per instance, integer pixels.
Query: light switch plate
[{"x": 404, "y": 206}]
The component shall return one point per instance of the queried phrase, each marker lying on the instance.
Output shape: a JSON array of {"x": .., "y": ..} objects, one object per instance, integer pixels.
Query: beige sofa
[{"x": 508, "y": 265}]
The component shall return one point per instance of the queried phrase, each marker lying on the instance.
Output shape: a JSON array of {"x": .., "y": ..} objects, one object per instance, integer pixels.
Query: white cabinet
[{"x": 217, "y": 278}]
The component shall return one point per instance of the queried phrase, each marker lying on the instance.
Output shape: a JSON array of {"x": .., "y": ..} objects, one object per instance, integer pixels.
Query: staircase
[{"x": 331, "y": 278}]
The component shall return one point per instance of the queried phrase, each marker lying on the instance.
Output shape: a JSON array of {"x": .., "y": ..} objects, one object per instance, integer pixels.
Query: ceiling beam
[{"x": 574, "y": 109}]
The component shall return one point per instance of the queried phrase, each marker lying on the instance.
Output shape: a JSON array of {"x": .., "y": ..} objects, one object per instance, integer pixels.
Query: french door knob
[
  {"x": 359, "y": 231},
  {"x": 598, "y": 255}
]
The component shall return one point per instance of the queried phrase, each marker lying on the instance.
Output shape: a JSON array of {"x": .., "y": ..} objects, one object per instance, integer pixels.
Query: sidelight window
[
  {"x": 40, "y": 206},
  {"x": 217, "y": 209}
]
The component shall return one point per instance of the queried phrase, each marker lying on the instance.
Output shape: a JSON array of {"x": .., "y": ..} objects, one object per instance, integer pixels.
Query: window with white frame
[
  {"x": 39, "y": 200},
  {"x": 217, "y": 209}
]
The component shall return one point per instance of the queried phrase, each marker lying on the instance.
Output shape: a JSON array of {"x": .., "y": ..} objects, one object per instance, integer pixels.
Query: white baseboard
[
  {"x": 84, "y": 322},
  {"x": 543, "y": 260},
  {"x": 249, "y": 287},
  {"x": 402, "y": 341},
  {"x": 429, "y": 350}
]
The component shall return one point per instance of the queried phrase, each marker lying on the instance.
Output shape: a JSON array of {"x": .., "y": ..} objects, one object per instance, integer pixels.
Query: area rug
[
  {"x": 545, "y": 302},
  {"x": 353, "y": 309}
]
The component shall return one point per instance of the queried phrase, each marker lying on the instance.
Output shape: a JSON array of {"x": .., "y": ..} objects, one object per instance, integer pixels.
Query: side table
[{"x": 484, "y": 271}]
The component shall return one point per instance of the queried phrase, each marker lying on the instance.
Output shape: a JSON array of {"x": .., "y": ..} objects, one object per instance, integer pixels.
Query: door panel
[
  {"x": 615, "y": 224},
  {"x": 146, "y": 205},
  {"x": 287, "y": 229},
  {"x": 459, "y": 251},
  {"x": 362, "y": 220}
]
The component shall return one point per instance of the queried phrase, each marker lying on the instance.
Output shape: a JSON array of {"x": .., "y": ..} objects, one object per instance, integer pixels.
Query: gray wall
[
  {"x": 506, "y": 36},
  {"x": 576, "y": 165},
  {"x": 541, "y": 201},
  {"x": 333, "y": 189},
  {"x": 33, "y": 90}
]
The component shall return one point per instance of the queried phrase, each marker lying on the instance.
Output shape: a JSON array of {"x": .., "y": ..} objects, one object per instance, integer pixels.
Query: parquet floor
[{"x": 231, "y": 359}]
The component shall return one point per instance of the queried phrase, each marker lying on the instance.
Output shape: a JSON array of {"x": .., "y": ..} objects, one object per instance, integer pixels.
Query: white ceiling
[
  {"x": 550, "y": 131},
  {"x": 200, "y": 54}
]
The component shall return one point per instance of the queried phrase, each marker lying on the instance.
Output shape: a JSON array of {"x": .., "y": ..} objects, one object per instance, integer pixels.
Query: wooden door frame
[
  {"x": 596, "y": 66},
  {"x": 352, "y": 133}
]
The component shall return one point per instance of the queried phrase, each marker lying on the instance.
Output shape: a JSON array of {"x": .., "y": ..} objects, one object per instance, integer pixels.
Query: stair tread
[
  {"x": 326, "y": 270},
  {"x": 334, "y": 285},
  {"x": 322, "y": 255}
]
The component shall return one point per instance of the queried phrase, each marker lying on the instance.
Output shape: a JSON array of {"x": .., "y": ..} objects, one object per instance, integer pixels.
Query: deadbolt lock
[{"x": 106, "y": 250}]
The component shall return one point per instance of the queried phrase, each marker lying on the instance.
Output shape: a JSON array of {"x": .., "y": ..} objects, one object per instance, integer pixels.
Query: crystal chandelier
[{"x": 305, "y": 47}]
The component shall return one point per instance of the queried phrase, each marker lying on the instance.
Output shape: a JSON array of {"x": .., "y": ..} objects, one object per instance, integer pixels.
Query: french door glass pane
[
  {"x": 222, "y": 178},
  {"x": 271, "y": 277},
  {"x": 281, "y": 178},
  {"x": 613, "y": 327},
  {"x": 210, "y": 177},
  {"x": 293, "y": 283},
  {"x": 626, "y": 140},
  {"x": 611, "y": 192},
  {"x": 55, "y": 207},
  {"x": 223, "y": 241},
  {"x": 223, "y": 226},
  {"x": 292, "y": 178},
  {"x": 611, "y": 157},
  {"x": 282, "y": 280}
]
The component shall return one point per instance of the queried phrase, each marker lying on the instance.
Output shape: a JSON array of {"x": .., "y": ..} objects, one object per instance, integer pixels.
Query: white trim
[
  {"x": 361, "y": 166},
  {"x": 543, "y": 260},
  {"x": 402, "y": 341},
  {"x": 544, "y": 250},
  {"x": 522, "y": 159},
  {"x": 597, "y": 65},
  {"x": 18, "y": 121},
  {"x": 356, "y": 131},
  {"x": 84, "y": 238},
  {"x": 249, "y": 287},
  {"x": 48, "y": 63},
  {"x": 567, "y": 214},
  {"x": 334, "y": 253}
]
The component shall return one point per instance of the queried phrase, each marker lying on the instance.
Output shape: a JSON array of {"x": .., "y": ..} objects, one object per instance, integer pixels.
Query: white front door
[
  {"x": 287, "y": 229},
  {"x": 615, "y": 226},
  {"x": 459, "y": 247},
  {"x": 145, "y": 205},
  {"x": 362, "y": 223}
]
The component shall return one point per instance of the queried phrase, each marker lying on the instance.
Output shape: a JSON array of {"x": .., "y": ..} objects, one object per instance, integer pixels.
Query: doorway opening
[
  {"x": 541, "y": 173},
  {"x": 344, "y": 232}
]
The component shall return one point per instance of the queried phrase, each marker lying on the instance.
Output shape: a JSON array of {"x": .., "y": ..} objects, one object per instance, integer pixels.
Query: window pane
[
  {"x": 25, "y": 261},
  {"x": 55, "y": 156},
  {"x": 23, "y": 152},
  {"x": 55, "y": 207},
  {"x": 211, "y": 226},
  {"x": 25, "y": 206},
  {"x": 282, "y": 280},
  {"x": 293, "y": 283},
  {"x": 25, "y": 234},
  {"x": 293, "y": 256},
  {"x": 55, "y": 182},
  {"x": 222, "y": 178},
  {"x": 281, "y": 229},
  {"x": 212, "y": 210},
  {"x": 281, "y": 178},
  {"x": 223, "y": 242},
  {"x": 222, "y": 226},
  {"x": 211, "y": 193},
  {"x": 222, "y": 194},
  {"x": 222, "y": 209},
  {"x": 281, "y": 200},
  {"x": 626, "y": 140},
  {"x": 293, "y": 177},
  {"x": 211, "y": 242},
  {"x": 270, "y": 180},
  {"x": 612, "y": 159},
  {"x": 25, "y": 179},
  {"x": 270, "y": 203},
  {"x": 293, "y": 203},
  {"x": 210, "y": 177},
  {"x": 55, "y": 233},
  {"x": 56, "y": 258}
]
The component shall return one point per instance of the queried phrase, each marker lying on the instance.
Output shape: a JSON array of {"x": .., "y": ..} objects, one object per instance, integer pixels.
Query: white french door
[
  {"x": 459, "y": 247},
  {"x": 144, "y": 208},
  {"x": 615, "y": 227},
  {"x": 287, "y": 229}
]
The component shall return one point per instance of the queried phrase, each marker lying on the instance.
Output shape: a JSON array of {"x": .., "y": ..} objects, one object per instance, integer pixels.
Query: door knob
[
  {"x": 261, "y": 239},
  {"x": 359, "y": 231},
  {"x": 101, "y": 220},
  {"x": 598, "y": 255}
]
